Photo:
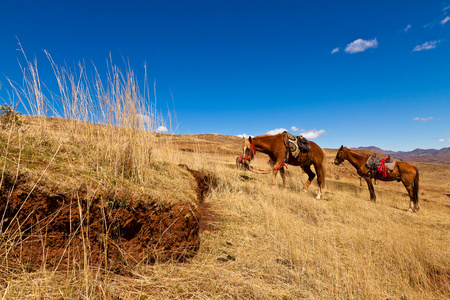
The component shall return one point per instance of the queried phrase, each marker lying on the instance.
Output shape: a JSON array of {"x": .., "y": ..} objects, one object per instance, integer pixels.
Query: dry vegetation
[
  {"x": 274, "y": 243},
  {"x": 261, "y": 243}
]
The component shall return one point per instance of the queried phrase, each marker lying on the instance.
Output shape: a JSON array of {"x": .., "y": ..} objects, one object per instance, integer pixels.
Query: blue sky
[{"x": 354, "y": 73}]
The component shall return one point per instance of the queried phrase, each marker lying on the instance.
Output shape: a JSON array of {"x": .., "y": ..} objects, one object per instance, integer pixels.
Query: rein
[
  {"x": 259, "y": 171},
  {"x": 351, "y": 173}
]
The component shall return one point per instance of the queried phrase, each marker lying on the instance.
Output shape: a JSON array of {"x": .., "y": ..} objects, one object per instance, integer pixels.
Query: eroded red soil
[
  {"x": 61, "y": 230},
  {"x": 208, "y": 217}
]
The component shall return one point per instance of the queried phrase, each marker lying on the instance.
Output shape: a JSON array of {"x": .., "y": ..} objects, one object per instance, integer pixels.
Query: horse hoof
[
  {"x": 305, "y": 190},
  {"x": 318, "y": 197}
]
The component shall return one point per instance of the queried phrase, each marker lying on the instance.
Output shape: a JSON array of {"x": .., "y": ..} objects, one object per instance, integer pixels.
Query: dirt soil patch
[
  {"x": 208, "y": 217},
  {"x": 41, "y": 226}
]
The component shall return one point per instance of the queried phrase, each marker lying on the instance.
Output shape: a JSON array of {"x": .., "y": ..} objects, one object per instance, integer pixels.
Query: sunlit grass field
[{"x": 286, "y": 243}]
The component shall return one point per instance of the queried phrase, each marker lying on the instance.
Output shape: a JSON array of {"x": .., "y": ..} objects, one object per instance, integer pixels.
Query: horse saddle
[
  {"x": 296, "y": 144},
  {"x": 378, "y": 168}
]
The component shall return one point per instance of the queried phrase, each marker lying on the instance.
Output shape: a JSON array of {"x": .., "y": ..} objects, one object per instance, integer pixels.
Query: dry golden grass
[
  {"x": 268, "y": 243},
  {"x": 274, "y": 243},
  {"x": 284, "y": 243}
]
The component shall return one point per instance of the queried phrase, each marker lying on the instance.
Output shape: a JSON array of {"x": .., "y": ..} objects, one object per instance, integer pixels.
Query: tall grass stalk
[{"x": 113, "y": 116}]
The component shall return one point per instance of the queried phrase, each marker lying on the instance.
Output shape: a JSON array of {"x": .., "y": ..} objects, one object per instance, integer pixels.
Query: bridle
[
  {"x": 252, "y": 153},
  {"x": 340, "y": 162}
]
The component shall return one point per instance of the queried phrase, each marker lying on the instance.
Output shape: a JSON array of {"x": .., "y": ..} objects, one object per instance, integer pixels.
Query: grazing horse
[
  {"x": 404, "y": 172},
  {"x": 274, "y": 146}
]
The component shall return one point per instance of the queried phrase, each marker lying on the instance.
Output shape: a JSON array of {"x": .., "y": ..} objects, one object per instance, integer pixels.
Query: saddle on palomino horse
[
  {"x": 379, "y": 168},
  {"x": 295, "y": 144}
]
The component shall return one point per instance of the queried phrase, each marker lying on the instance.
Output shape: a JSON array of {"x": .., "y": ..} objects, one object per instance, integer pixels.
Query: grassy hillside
[
  {"x": 260, "y": 242},
  {"x": 113, "y": 211}
]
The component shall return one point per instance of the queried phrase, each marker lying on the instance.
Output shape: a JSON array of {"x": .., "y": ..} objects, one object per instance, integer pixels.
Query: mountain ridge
[{"x": 421, "y": 155}]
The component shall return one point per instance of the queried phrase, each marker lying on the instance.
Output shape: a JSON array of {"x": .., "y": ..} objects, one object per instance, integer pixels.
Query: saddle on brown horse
[
  {"x": 378, "y": 168},
  {"x": 295, "y": 144}
]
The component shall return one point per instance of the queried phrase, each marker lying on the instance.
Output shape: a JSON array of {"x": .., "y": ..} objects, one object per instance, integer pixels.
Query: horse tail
[
  {"x": 324, "y": 168},
  {"x": 416, "y": 188},
  {"x": 319, "y": 159}
]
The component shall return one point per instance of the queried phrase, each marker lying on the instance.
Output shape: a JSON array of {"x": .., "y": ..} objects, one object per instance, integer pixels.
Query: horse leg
[
  {"x": 311, "y": 175},
  {"x": 274, "y": 181},
  {"x": 283, "y": 176},
  {"x": 320, "y": 180},
  {"x": 276, "y": 166},
  {"x": 410, "y": 190},
  {"x": 371, "y": 190}
]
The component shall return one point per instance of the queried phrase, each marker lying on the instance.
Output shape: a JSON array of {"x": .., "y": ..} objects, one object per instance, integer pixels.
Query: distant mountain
[{"x": 441, "y": 156}]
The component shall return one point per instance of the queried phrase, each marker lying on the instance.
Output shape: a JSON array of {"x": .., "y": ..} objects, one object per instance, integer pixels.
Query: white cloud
[
  {"x": 312, "y": 133},
  {"x": 407, "y": 28},
  {"x": 361, "y": 45},
  {"x": 308, "y": 134},
  {"x": 143, "y": 119},
  {"x": 445, "y": 20},
  {"x": 430, "y": 25},
  {"x": 423, "y": 119},
  {"x": 443, "y": 140},
  {"x": 276, "y": 131},
  {"x": 426, "y": 46},
  {"x": 335, "y": 50},
  {"x": 161, "y": 129}
]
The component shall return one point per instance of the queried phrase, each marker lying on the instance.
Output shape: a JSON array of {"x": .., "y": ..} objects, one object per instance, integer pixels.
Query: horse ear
[{"x": 250, "y": 139}]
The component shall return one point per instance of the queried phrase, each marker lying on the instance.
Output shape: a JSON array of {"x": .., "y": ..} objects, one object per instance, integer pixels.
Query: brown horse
[
  {"x": 274, "y": 146},
  {"x": 404, "y": 172}
]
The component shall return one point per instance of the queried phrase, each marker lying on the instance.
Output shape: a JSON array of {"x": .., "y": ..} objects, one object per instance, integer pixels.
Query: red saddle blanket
[{"x": 382, "y": 169}]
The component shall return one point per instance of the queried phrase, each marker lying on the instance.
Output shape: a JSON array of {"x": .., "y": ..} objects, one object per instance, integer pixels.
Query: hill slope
[{"x": 263, "y": 242}]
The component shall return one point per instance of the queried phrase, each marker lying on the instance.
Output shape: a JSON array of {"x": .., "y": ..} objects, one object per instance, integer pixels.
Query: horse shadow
[{"x": 246, "y": 177}]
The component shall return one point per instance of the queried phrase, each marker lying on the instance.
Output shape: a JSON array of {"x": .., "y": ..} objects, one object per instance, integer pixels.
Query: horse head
[
  {"x": 340, "y": 156},
  {"x": 242, "y": 163},
  {"x": 249, "y": 149}
]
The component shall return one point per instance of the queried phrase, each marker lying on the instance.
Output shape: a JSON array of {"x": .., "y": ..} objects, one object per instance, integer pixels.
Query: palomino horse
[
  {"x": 404, "y": 172},
  {"x": 275, "y": 148}
]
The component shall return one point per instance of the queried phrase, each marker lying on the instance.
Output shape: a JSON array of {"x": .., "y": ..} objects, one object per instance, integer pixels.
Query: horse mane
[
  {"x": 266, "y": 135},
  {"x": 358, "y": 153}
]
